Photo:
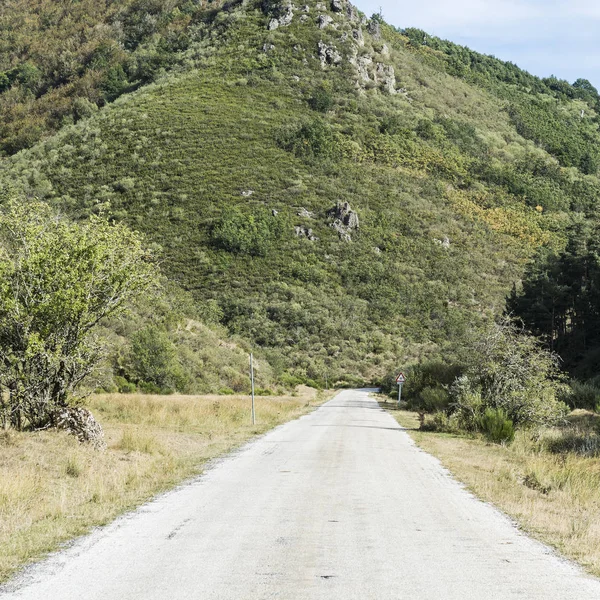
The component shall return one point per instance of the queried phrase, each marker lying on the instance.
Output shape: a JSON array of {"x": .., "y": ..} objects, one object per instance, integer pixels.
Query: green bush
[
  {"x": 124, "y": 386},
  {"x": 313, "y": 140},
  {"x": 322, "y": 98},
  {"x": 242, "y": 233},
  {"x": 584, "y": 395},
  {"x": 226, "y": 391},
  {"x": 496, "y": 426},
  {"x": 154, "y": 363}
]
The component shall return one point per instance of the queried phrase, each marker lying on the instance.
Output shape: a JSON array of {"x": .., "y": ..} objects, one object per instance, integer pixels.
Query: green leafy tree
[
  {"x": 154, "y": 360},
  {"x": 509, "y": 370},
  {"x": 58, "y": 281}
]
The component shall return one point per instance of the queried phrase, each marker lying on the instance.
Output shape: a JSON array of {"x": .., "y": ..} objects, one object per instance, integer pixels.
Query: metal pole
[
  {"x": 252, "y": 380},
  {"x": 399, "y": 393}
]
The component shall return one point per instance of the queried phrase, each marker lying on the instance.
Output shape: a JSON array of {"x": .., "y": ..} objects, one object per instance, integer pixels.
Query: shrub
[
  {"x": 154, "y": 363},
  {"x": 496, "y": 427},
  {"x": 321, "y": 99},
  {"x": 431, "y": 399},
  {"x": 124, "y": 386},
  {"x": 312, "y": 140},
  {"x": 252, "y": 234},
  {"x": 226, "y": 391},
  {"x": 584, "y": 395}
]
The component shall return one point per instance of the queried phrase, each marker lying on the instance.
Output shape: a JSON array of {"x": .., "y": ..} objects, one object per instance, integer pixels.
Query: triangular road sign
[{"x": 400, "y": 378}]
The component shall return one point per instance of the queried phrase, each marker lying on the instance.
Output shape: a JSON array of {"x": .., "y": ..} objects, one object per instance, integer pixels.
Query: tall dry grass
[
  {"x": 543, "y": 480},
  {"x": 53, "y": 489}
]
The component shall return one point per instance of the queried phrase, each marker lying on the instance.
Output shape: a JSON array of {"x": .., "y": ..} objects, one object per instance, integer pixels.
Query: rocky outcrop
[
  {"x": 324, "y": 21},
  {"x": 386, "y": 75},
  {"x": 283, "y": 15},
  {"x": 81, "y": 423},
  {"x": 305, "y": 232},
  {"x": 374, "y": 28},
  {"x": 358, "y": 36},
  {"x": 329, "y": 55},
  {"x": 337, "y": 6},
  {"x": 306, "y": 214},
  {"x": 345, "y": 220}
]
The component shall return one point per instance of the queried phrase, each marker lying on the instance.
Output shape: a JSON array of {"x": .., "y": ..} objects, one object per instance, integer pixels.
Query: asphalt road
[{"x": 339, "y": 505}]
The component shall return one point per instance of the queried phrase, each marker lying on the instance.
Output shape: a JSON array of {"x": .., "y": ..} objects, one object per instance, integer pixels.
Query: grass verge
[
  {"x": 53, "y": 489},
  {"x": 553, "y": 496}
]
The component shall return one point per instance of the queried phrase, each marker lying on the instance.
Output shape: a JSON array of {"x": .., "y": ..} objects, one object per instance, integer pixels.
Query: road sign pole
[
  {"x": 252, "y": 380},
  {"x": 400, "y": 392}
]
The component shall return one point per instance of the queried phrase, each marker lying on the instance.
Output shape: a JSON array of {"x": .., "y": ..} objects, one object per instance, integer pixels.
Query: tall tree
[{"x": 58, "y": 280}]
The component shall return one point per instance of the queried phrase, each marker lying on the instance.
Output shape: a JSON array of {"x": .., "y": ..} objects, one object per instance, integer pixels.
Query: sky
[{"x": 544, "y": 37}]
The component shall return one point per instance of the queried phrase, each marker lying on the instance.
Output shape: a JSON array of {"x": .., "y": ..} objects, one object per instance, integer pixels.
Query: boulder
[
  {"x": 324, "y": 21},
  {"x": 386, "y": 75},
  {"x": 81, "y": 423},
  {"x": 305, "y": 232},
  {"x": 345, "y": 220},
  {"x": 358, "y": 36},
  {"x": 337, "y": 5},
  {"x": 374, "y": 29},
  {"x": 328, "y": 55},
  {"x": 306, "y": 213}
]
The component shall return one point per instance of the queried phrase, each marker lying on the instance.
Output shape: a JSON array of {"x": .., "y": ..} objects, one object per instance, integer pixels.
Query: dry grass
[
  {"x": 53, "y": 489},
  {"x": 554, "y": 497}
]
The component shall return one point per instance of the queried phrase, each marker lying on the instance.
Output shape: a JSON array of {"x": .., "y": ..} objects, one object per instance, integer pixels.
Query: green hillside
[{"x": 458, "y": 168}]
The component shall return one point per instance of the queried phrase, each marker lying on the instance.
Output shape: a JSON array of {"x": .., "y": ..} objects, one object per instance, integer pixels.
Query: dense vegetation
[{"x": 460, "y": 168}]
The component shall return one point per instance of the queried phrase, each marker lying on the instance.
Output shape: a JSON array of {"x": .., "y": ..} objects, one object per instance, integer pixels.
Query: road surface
[{"x": 339, "y": 505}]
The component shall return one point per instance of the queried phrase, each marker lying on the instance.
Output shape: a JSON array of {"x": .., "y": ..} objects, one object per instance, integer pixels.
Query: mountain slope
[{"x": 235, "y": 166}]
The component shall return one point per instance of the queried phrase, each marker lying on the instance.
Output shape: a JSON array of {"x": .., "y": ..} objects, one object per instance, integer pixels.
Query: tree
[
  {"x": 58, "y": 281},
  {"x": 509, "y": 370},
  {"x": 154, "y": 360}
]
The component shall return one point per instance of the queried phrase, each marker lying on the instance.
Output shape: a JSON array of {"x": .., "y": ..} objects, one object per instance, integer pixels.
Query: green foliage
[
  {"x": 560, "y": 300},
  {"x": 321, "y": 99},
  {"x": 497, "y": 428},
  {"x": 253, "y": 234},
  {"x": 154, "y": 361},
  {"x": 510, "y": 370},
  {"x": 452, "y": 200},
  {"x": 59, "y": 280},
  {"x": 584, "y": 395},
  {"x": 312, "y": 140}
]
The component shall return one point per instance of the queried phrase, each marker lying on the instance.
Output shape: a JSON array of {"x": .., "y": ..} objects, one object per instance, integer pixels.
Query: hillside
[{"x": 457, "y": 169}]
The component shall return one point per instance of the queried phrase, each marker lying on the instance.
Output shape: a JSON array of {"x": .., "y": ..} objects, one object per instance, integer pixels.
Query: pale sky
[{"x": 544, "y": 37}]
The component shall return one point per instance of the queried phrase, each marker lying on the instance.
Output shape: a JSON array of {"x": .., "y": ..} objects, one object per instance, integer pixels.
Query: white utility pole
[{"x": 252, "y": 380}]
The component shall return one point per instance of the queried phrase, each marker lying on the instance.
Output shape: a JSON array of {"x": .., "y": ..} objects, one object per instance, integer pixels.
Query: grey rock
[
  {"x": 324, "y": 21},
  {"x": 268, "y": 47},
  {"x": 321, "y": 6},
  {"x": 337, "y": 5},
  {"x": 306, "y": 213},
  {"x": 358, "y": 36},
  {"x": 247, "y": 193},
  {"x": 375, "y": 29},
  {"x": 306, "y": 8},
  {"x": 274, "y": 212},
  {"x": 386, "y": 75},
  {"x": 81, "y": 423},
  {"x": 304, "y": 18},
  {"x": 351, "y": 13},
  {"x": 305, "y": 232},
  {"x": 345, "y": 220},
  {"x": 283, "y": 15},
  {"x": 328, "y": 55},
  {"x": 363, "y": 65}
]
